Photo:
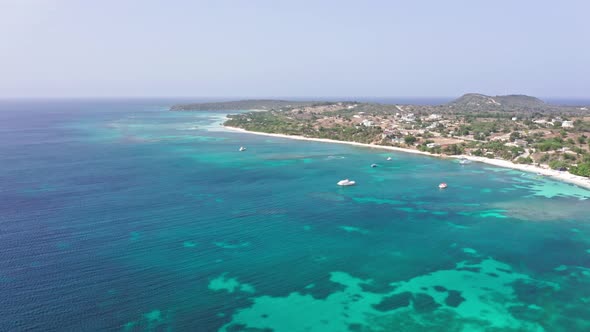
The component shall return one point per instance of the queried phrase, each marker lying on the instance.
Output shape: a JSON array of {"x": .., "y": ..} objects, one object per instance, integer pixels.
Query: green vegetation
[
  {"x": 551, "y": 144},
  {"x": 524, "y": 160},
  {"x": 278, "y": 123},
  {"x": 454, "y": 149},
  {"x": 581, "y": 170},
  {"x": 557, "y": 164},
  {"x": 410, "y": 140}
]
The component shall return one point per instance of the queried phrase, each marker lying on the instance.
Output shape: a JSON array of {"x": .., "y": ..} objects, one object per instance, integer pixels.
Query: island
[
  {"x": 250, "y": 104},
  {"x": 503, "y": 130}
]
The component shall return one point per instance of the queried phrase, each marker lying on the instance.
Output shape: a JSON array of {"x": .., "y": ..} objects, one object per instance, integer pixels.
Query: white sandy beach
[{"x": 562, "y": 176}]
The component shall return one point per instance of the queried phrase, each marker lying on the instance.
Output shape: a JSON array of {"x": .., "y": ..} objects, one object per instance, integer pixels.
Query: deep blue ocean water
[{"x": 119, "y": 215}]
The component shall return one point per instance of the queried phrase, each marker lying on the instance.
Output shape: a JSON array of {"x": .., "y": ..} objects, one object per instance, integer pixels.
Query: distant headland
[
  {"x": 472, "y": 101},
  {"x": 249, "y": 104}
]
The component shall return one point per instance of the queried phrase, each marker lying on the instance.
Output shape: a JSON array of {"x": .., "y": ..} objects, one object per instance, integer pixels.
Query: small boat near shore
[
  {"x": 346, "y": 182},
  {"x": 242, "y": 148},
  {"x": 442, "y": 186},
  {"x": 388, "y": 158},
  {"x": 464, "y": 161},
  {"x": 373, "y": 165}
]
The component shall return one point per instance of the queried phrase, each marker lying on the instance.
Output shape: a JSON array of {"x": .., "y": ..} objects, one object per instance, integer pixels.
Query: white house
[
  {"x": 367, "y": 123},
  {"x": 567, "y": 124},
  {"x": 409, "y": 118},
  {"x": 397, "y": 140}
]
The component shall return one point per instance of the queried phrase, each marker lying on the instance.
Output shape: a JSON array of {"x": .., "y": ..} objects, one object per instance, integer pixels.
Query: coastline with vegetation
[
  {"x": 514, "y": 131},
  {"x": 559, "y": 175}
]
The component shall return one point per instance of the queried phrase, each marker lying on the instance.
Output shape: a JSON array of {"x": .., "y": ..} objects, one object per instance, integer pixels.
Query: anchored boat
[{"x": 346, "y": 182}]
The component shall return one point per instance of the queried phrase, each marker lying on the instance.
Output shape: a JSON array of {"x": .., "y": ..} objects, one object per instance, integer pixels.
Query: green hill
[{"x": 480, "y": 101}]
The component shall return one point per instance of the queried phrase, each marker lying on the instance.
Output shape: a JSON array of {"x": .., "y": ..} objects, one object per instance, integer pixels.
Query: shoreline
[{"x": 558, "y": 175}]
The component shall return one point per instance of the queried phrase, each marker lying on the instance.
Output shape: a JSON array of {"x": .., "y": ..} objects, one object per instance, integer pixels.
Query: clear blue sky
[{"x": 253, "y": 48}]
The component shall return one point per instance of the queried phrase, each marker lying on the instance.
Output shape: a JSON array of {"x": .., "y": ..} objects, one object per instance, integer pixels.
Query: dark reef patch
[
  {"x": 424, "y": 303},
  {"x": 440, "y": 289},
  {"x": 454, "y": 299},
  {"x": 394, "y": 302}
]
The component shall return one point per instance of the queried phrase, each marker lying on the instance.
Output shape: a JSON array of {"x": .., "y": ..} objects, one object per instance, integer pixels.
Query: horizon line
[{"x": 339, "y": 98}]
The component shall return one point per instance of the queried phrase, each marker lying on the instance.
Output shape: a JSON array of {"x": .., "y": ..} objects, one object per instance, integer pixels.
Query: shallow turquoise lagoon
[{"x": 122, "y": 216}]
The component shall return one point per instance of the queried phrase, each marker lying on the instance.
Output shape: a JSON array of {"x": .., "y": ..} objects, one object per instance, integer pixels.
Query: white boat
[
  {"x": 373, "y": 165},
  {"x": 388, "y": 158},
  {"x": 464, "y": 161},
  {"x": 242, "y": 148},
  {"x": 346, "y": 182},
  {"x": 442, "y": 186}
]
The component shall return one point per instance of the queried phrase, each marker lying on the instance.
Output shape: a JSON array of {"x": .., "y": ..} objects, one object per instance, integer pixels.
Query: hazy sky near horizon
[{"x": 75, "y": 48}]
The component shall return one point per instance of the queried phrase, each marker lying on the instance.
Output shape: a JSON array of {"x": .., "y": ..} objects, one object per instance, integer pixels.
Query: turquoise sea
[{"x": 119, "y": 215}]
